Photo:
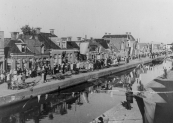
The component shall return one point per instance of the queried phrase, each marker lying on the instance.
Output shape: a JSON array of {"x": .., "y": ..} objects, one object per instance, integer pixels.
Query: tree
[{"x": 26, "y": 30}]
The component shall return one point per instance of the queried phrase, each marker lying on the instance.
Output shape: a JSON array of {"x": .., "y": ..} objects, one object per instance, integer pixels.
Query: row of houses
[{"x": 20, "y": 49}]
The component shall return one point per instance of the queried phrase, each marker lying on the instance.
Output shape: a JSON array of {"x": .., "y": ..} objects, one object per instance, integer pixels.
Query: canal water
[{"x": 81, "y": 103}]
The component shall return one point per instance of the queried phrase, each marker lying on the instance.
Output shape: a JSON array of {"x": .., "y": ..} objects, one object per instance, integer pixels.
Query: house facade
[
  {"x": 143, "y": 48},
  {"x": 2, "y": 53},
  {"x": 69, "y": 51},
  {"x": 124, "y": 43},
  {"x": 94, "y": 49},
  {"x": 22, "y": 51}
]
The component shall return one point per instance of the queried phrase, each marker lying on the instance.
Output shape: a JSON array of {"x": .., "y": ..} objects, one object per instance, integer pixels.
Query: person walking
[
  {"x": 71, "y": 67},
  {"x": 23, "y": 77},
  {"x": 129, "y": 97},
  {"x": 2, "y": 77},
  {"x": 45, "y": 75},
  {"x": 8, "y": 81}
]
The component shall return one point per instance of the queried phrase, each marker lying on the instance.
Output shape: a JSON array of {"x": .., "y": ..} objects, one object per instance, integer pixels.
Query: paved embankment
[
  {"x": 161, "y": 96},
  {"x": 12, "y": 96},
  {"x": 119, "y": 114}
]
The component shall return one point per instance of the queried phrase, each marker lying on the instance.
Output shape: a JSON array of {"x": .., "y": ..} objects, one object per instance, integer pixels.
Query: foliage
[{"x": 27, "y": 30}]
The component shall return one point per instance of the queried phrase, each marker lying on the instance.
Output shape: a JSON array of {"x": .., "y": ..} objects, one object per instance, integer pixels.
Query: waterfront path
[
  {"x": 11, "y": 96},
  {"x": 119, "y": 114},
  {"x": 162, "y": 98}
]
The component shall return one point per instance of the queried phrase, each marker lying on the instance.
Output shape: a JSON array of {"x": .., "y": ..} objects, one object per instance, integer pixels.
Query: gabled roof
[
  {"x": 48, "y": 34},
  {"x": 93, "y": 43},
  {"x": 14, "y": 49},
  {"x": 102, "y": 42},
  {"x": 6, "y": 41},
  {"x": 72, "y": 45},
  {"x": 112, "y": 46},
  {"x": 120, "y": 36},
  {"x": 32, "y": 44},
  {"x": 43, "y": 37}
]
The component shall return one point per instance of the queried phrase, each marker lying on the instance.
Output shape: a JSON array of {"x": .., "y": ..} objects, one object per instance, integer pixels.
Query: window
[
  {"x": 42, "y": 49},
  {"x": 58, "y": 43},
  {"x": 63, "y": 44},
  {"x": 23, "y": 48},
  {"x": 59, "y": 56}
]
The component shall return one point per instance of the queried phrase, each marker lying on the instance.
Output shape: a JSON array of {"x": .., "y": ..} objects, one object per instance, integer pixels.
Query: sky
[{"x": 149, "y": 20}]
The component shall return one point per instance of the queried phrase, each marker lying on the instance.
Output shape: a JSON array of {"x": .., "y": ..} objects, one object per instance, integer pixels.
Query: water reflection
[{"x": 51, "y": 106}]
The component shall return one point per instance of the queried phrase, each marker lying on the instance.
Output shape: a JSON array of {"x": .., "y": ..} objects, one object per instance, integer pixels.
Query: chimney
[
  {"x": 1, "y": 40},
  {"x": 69, "y": 38},
  {"x": 91, "y": 38},
  {"x": 129, "y": 33},
  {"x": 109, "y": 33},
  {"x": 79, "y": 38},
  {"x": 38, "y": 30},
  {"x": 106, "y": 33},
  {"x": 52, "y": 31},
  {"x": 14, "y": 35},
  {"x": 85, "y": 36}
]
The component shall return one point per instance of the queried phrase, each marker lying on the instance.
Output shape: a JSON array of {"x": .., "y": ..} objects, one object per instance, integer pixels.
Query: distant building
[
  {"x": 157, "y": 47},
  {"x": 94, "y": 48},
  {"x": 124, "y": 43},
  {"x": 143, "y": 48},
  {"x": 168, "y": 47},
  {"x": 2, "y": 55},
  {"x": 17, "y": 52},
  {"x": 69, "y": 51},
  {"x": 21, "y": 49}
]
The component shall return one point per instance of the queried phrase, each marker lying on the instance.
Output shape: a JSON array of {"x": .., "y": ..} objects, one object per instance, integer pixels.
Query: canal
[{"x": 81, "y": 103}]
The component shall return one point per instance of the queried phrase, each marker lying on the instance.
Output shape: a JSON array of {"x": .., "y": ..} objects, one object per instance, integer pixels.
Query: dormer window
[
  {"x": 64, "y": 44},
  {"x": 21, "y": 47},
  {"x": 128, "y": 43}
]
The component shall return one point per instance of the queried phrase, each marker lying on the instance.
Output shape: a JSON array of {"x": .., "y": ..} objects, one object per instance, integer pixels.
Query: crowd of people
[{"x": 15, "y": 79}]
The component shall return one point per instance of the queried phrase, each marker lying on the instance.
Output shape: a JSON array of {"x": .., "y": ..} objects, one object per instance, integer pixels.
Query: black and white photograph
[{"x": 86, "y": 61}]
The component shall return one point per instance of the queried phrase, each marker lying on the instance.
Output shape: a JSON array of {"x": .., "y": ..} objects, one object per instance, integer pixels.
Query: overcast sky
[{"x": 149, "y": 20}]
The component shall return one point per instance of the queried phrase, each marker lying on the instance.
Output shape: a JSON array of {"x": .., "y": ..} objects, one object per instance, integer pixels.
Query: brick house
[{"x": 22, "y": 49}]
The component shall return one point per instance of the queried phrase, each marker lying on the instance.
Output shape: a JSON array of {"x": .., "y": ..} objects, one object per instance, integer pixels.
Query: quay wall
[{"x": 42, "y": 89}]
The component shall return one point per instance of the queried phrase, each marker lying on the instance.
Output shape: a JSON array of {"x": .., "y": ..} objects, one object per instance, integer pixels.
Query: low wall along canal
[{"x": 80, "y": 103}]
